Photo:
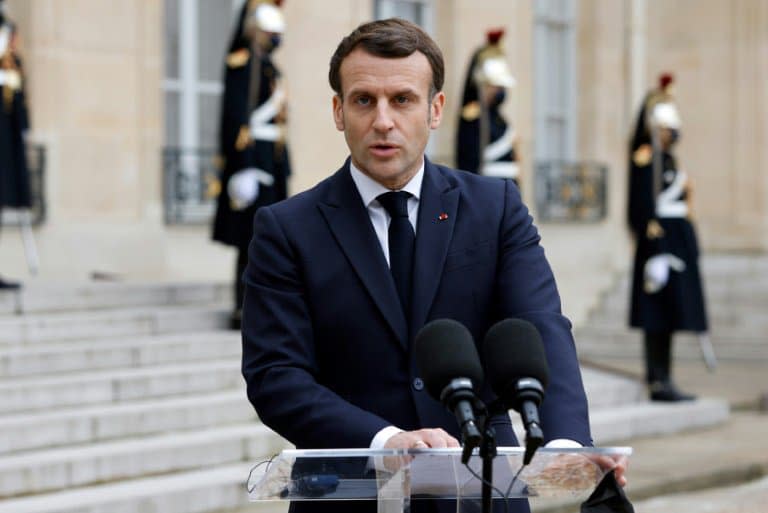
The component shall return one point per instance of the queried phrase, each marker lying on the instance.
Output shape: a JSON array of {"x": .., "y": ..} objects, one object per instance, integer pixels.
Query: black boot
[
  {"x": 667, "y": 391},
  {"x": 9, "y": 285},
  {"x": 658, "y": 354}
]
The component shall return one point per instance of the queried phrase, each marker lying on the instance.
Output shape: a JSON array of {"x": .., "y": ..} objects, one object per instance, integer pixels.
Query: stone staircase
[
  {"x": 736, "y": 290},
  {"x": 123, "y": 397},
  {"x": 128, "y": 398}
]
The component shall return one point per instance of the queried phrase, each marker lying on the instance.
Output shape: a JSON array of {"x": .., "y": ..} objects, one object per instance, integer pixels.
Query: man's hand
[
  {"x": 421, "y": 439},
  {"x": 617, "y": 463}
]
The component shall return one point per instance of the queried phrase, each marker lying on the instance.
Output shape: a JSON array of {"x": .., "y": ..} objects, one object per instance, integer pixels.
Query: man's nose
[{"x": 383, "y": 121}]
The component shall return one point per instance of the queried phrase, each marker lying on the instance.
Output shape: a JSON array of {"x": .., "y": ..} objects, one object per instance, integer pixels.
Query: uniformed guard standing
[
  {"x": 253, "y": 155},
  {"x": 486, "y": 143},
  {"x": 667, "y": 293},
  {"x": 14, "y": 123}
]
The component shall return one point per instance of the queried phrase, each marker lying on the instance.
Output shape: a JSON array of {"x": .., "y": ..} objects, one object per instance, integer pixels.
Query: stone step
[
  {"x": 619, "y": 410},
  {"x": 744, "y": 318},
  {"x": 755, "y": 327},
  {"x": 198, "y": 491},
  {"x": 82, "y": 425},
  {"x": 730, "y": 264},
  {"x": 750, "y": 497},
  {"x": 60, "y": 297},
  {"x": 645, "y": 418},
  {"x": 136, "y": 351},
  {"x": 116, "y": 386},
  {"x": 81, "y": 465},
  {"x": 612, "y": 425},
  {"x": 730, "y": 301},
  {"x": 607, "y": 390},
  {"x": 612, "y": 344},
  {"x": 41, "y": 328}
]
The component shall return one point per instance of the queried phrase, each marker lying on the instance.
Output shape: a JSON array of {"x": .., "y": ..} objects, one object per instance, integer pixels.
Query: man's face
[
  {"x": 667, "y": 137},
  {"x": 386, "y": 114}
]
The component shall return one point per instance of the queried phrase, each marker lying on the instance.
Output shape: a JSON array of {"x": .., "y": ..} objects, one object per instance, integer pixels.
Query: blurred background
[
  {"x": 124, "y": 103},
  {"x": 126, "y": 396}
]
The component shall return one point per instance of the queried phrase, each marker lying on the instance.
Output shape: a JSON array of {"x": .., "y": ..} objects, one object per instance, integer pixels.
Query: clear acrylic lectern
[{"x": 396, "y": 477}]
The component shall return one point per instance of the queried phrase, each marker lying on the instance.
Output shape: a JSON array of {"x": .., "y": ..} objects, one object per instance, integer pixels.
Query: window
[
  {"x": 197, "y": 34},
  {"x": 555, "y": 80},
  {"x": 417, "y": 11}
]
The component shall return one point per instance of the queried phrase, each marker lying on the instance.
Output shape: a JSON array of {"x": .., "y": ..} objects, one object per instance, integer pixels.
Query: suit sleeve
[
  {"x": 528, "y": 291},
  {"x": 279, "y": 362}
]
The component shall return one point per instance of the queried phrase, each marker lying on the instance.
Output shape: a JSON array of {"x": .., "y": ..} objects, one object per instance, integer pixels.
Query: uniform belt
[
  {"x": 10, "y": 78},
  {"x": 671, "y": 210},
  {"x": 266, "y": 132},
  {"x": 501, "y": 169}
]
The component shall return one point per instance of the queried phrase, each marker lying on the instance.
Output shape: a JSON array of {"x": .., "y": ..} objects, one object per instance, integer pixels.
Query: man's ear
[
  {"x": 436, "y": 109},
  {"x": 338, "y": 112}
]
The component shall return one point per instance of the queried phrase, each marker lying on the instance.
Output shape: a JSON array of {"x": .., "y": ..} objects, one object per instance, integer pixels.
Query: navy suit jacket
[{"x": 327, "y": 352}]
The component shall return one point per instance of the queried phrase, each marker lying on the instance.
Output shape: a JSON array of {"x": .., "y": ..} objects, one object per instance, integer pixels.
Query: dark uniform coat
[
  {"x": 14, "y": 176},
  {"x": 680, "y": 304},
  {"x": 242, "y": 95},
  {"x": 469, "y": 147}
]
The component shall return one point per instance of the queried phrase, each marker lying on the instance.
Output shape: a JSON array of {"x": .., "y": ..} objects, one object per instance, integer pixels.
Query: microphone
[
  {"x": 450, "y": 366},
  {"x": 517, "y": 369}
]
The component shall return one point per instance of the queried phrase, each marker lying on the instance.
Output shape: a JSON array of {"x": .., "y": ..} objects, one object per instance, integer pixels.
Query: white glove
[
  {"x": 656, "y": 271},
  {"x": 243, "y": 186}
]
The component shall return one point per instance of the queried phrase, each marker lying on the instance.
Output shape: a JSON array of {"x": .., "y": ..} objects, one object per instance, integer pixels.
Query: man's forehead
[{"x": 363, "y": 69}]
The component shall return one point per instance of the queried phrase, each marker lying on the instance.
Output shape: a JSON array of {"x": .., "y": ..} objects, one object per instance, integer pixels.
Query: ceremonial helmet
[
  {"x": 665, "y": 115},
  {"x": 265, "y": 15},
  {"x": 491, "y": 67},
  {"x": 662, "y": 111}
]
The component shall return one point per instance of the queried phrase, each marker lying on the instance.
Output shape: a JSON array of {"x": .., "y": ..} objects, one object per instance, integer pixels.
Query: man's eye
[
  {"x": 401, "y": 99},
  {"x": 363, "y": 100}
]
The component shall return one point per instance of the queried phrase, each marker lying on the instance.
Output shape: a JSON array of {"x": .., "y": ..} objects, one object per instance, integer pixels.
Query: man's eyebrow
[{"x": 406, "y": 91}]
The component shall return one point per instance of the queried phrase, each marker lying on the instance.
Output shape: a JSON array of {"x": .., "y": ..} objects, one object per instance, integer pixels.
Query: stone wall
[{"x": 95, "y": 71}]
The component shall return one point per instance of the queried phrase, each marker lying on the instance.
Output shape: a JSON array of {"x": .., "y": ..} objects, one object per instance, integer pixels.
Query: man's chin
[{"x": 389, "y": 177}]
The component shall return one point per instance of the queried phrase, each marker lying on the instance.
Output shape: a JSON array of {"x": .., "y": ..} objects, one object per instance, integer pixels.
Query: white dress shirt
[{"x": 370, "y": 189}]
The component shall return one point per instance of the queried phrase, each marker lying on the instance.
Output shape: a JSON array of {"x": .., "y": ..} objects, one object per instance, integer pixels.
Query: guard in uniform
[
  {"x": 253, "y": 157},
  {"x": 14, "y": 176},
  {"x": 486, "y": 143},
  {"x": 667, "y": 292}
]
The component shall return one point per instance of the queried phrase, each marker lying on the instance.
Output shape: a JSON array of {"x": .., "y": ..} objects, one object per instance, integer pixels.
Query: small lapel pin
[{"x": 443, "y": 216}]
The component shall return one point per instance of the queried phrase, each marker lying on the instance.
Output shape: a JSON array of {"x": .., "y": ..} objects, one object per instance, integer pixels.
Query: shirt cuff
[
  {"x": 383, "y": 436},
  {"x": 562, "y": 443}
]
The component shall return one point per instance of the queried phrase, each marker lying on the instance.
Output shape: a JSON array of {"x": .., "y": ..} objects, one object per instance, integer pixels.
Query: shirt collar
[{"x": 370, "y": 189}]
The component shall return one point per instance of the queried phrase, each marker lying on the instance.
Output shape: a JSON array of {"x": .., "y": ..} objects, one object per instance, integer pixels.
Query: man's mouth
[{"x": 383, "y": 149}]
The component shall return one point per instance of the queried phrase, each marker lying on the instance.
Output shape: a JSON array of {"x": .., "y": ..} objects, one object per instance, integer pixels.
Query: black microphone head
[
  {"x": 445, "y": 350},
  {"x": 512, "y": 350}
]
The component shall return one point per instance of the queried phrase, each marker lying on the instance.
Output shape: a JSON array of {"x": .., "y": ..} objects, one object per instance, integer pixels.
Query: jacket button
[{"x": 418, "y": 384}]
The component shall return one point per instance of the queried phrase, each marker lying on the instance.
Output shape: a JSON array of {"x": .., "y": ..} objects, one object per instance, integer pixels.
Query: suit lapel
[
  {"x": 437, "y": 218},
  {"x": 350, "y": 224}
]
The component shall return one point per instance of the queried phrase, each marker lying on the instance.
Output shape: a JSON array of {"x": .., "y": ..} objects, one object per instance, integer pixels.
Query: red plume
[
  {"x": 665, "y": 79},
  {"x": 493, "y": 35}
]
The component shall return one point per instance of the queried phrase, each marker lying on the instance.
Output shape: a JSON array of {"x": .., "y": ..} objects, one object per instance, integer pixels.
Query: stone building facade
[{"x": 98, "y": 88}]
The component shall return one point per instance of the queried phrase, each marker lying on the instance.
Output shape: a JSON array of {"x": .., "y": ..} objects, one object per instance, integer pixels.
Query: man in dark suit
[{"x": 334, "y": 297}]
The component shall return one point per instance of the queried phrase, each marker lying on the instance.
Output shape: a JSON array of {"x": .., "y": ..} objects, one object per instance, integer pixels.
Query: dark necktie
[{"x": 402, "y": 242}]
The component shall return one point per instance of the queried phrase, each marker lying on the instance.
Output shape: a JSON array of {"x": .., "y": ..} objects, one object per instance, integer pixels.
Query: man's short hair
[{"x": 391, "y": 38}]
